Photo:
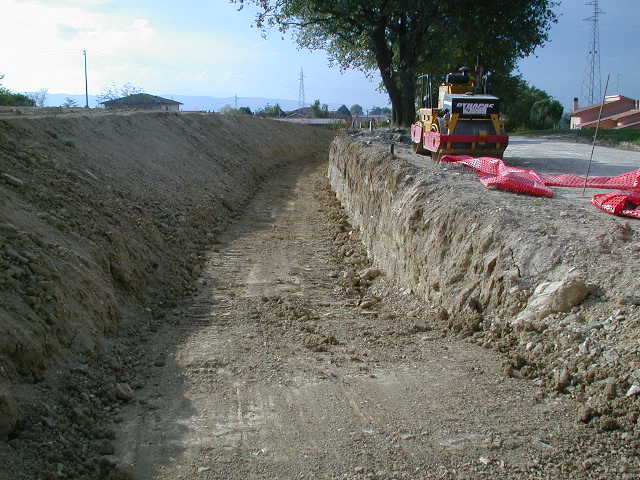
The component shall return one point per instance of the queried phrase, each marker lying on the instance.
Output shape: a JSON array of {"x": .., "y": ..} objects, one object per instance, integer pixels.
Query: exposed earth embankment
[
  {"x": 550, "y": 283},
  {"x": 103, "y": 214}
]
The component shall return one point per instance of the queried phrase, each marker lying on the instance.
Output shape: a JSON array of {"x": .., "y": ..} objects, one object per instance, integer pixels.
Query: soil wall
[
  {"x": 101, "y": 214},
  {"x": 550, "y": 284}
]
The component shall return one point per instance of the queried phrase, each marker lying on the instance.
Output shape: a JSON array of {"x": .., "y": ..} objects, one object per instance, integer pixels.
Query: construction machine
[{"x": 466, "y": 120}]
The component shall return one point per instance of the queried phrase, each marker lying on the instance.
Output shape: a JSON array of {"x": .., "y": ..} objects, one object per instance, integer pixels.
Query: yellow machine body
[{"x": 464, "y": 123}]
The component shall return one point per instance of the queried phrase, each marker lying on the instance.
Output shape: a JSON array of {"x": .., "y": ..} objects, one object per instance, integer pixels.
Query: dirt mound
[
  {"x": 103, "y": 214},
  {"x": 507, "y": 271}
]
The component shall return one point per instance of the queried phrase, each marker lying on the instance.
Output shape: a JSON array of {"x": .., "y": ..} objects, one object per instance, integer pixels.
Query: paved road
[{"x": 555, "y": 156}]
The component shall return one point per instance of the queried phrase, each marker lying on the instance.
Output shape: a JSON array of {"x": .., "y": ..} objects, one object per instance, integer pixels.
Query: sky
[{"x": 207, "y": 47}]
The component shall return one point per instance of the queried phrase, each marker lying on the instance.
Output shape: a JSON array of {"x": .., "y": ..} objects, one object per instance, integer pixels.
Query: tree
[
  {"x": 402, "y": 39},
  {"x": 356, "y": 110},
  {"x": 229, "y": 110},
  {"x": 343, "y": 110},
  {"x": 380, "y": 111},
  {"x": 129, "y": 89},
  {"x": 546, "y": 113},
  {"x": 40, "y": 97},
  {"x": 524, "y": 105},
  {"x": 112, "y": 91},
  {"x": 10, "y": 99},
  {"x": 69, "y": 103},
  {"x": 320, "y": 111},
  {"x": 272, "y": 111}
]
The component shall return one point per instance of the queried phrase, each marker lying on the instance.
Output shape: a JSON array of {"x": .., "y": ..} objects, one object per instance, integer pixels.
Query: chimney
[{"x": 575, "y": 103}]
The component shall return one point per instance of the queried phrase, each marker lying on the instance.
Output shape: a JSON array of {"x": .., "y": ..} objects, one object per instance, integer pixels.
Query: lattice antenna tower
[
  {"x": 301, "y": 99},
  {"x": 592, "y": 83}
]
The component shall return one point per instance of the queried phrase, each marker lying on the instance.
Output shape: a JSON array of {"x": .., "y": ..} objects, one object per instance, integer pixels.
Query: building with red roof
[{"x": 618, "y": 112}]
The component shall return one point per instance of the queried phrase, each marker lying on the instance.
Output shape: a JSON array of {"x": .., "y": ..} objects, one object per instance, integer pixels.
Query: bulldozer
[{"x": 466, "y": 120}]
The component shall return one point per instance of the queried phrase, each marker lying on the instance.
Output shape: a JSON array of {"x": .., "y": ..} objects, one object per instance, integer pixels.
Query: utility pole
[
  {"x": 301, "y": 99},
  {"x": 236, "y": 101},
  {"x": 86, "y": 82}
]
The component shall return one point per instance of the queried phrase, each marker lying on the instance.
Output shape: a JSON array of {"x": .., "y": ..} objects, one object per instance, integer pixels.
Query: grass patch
[{"x": 614, "y": 137}]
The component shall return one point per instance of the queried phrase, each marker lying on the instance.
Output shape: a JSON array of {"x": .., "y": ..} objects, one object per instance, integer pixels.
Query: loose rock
[{"x": 124, "y": 392}]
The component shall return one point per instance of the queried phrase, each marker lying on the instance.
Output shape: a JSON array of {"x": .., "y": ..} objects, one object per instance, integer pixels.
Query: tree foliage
[
  {"x": 229, "y": 110},
  {"x": 546, "y": 114},
  {"x": 39, "y": 97},
  {"x": 402, "y": 39},
  {"x": 10, "y": 99},
  {"x": 526, "y": 106},
  {"x": 113, "y": 91},
  {"x": 320, "y": 111},
  {"x": 356, "y": 110},
  {"x": 380, "y": 111},
  {"x": 69, "y": 103},
  {"x": 274, "y": 111}
]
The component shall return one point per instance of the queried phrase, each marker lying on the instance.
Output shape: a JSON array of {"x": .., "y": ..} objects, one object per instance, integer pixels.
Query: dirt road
[{"x": 294, "y": 361}]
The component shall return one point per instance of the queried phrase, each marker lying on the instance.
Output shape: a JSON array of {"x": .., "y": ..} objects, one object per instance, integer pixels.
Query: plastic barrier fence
[{"x": 493, "y": 172}]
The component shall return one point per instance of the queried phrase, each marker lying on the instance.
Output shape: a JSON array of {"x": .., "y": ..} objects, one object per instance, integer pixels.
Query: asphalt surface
[{"x": 556, "y": 156}]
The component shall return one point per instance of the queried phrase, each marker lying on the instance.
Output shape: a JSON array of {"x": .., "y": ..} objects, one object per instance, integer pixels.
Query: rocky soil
[
  {"x": 297, "y": 358},
  {"x": 550, "y": 286},
  {"x": 182, "y": 300}
]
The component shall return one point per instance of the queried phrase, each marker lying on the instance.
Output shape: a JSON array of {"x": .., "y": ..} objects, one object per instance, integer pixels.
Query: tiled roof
[
  {"x": 628, "y": 113},
  {"x": 139, "y": 99},
  {"x": 615, "y": 117},
  {"x": 597, "y": 105}
]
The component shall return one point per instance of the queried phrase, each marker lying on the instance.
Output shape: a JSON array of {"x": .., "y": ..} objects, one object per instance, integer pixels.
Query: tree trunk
[
  {"x": 401, "y": 82},
  {"x": 384, "y": 61},
  {"x": 407, "y": 93}
]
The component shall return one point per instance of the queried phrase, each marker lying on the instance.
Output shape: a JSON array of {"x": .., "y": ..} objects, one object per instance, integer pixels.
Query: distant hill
[{"x": 192, "y": 102}]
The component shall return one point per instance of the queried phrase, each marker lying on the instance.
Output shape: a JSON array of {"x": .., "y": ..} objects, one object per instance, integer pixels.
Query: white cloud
[{"x": 41, "y": 45}]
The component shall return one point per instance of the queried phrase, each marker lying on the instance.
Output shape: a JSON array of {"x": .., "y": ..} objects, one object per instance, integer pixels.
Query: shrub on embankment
[{"x": 101, "y": 214}]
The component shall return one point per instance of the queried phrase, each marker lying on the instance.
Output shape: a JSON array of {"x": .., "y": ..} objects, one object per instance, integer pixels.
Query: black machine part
[{"x": 472, "y": 106}]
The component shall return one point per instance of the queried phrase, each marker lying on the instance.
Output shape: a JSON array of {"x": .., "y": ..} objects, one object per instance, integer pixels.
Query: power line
[{"x": 592, "y": 82}]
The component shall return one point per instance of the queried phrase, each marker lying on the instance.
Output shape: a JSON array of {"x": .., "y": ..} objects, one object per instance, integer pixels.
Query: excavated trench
[{"x": 116, "y": 229}]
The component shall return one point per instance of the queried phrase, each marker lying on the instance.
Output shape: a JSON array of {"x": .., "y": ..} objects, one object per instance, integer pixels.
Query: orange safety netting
[{"x": 494, "y": 172}]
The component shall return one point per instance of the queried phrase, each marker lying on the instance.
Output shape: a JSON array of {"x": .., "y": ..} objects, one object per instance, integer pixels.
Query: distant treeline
[{"x": 525, "y": 106}]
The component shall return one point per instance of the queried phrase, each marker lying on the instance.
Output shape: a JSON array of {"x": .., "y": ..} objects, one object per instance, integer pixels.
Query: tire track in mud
[{"x": 273, "y": 370}]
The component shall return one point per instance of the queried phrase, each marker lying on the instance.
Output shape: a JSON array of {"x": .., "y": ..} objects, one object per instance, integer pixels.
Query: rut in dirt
[{"x": 294, "y": 361}]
